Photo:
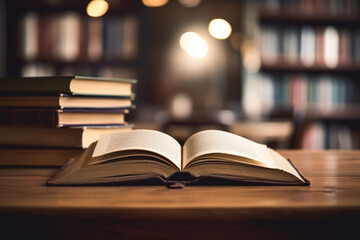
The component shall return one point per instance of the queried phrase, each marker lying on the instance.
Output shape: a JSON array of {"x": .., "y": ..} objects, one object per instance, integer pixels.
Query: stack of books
[{"x": 45, "y": 121}]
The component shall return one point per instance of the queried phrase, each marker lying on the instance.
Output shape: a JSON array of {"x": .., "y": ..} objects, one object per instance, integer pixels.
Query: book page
[
  {"x": 215, "y": 141},
  {"x": 148, "y": 140},
  {"x": 284, "y": 164}
]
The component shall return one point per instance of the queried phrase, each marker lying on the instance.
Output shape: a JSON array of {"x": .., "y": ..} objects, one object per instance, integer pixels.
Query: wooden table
[{"x": 329, "y": 208}]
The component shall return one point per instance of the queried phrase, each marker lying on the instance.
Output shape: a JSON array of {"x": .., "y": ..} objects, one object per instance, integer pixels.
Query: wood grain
[{"x": 328, "y": 208}]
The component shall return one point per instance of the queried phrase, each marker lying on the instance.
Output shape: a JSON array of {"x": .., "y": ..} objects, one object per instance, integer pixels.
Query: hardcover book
[
  {"x": 63, "y": 101},
  {"x": 24, "y": 117},
  {"x": 211, "y": 156},
  {"x": 72, "y": 85},
  {"x": 71, "y": 137}
]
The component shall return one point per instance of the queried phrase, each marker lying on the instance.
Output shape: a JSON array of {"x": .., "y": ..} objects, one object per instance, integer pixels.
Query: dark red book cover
[{"x": 26, "y": 117}]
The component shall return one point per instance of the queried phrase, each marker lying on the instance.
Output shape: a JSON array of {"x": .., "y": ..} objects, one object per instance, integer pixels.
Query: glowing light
[
  {"x": 193, "y": 44},
  {"x": 190, "y": 3},
  {"x": 181, "y": 106},
  {"x": 97, "y": 8},
  {"x": 186, "y": 38},
  {"x": 154, "y": 3},
  {"x": 219, "y": 28}
]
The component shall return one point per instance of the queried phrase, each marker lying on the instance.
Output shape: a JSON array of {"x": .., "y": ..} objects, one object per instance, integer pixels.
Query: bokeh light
[
  {"x": 193, "y": 44},
  {"x": 190, "y": 3},
  {"x": 219, "y": 28},
  {"x": 97, "y": 8},
  {"x": 181, "y": 106},
  {"x": 154, "y": 3}
]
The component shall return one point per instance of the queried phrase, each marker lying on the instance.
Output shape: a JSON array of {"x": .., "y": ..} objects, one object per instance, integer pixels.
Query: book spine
[
  {"x": 29, "y": 118},
  {"x": 95, "y": 39}
]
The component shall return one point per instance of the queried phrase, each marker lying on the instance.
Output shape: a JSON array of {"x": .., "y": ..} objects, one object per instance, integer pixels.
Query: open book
[{"x": 207, "y": 157}]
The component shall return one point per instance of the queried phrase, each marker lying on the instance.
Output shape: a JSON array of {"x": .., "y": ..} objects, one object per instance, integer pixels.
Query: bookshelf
[
  {"x": 43, "y": 43},
  {"x": 309, "y": 55}
]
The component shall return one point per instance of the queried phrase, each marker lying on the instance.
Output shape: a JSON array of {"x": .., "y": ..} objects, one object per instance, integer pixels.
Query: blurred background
[{"x": 281, "y": 72}]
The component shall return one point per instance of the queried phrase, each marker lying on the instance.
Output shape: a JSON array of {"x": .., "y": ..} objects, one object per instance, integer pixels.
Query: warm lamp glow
[
  {"x": 181, "y": 106},
  {"x": 193, "y": 44},
  {"x": 154, "y": 3},
  {"x": 185, "y": 39},
  {"x": 219, "y": 28},
  {"x": 190, "y": 3},
  {"x": 97, "y": 8}
]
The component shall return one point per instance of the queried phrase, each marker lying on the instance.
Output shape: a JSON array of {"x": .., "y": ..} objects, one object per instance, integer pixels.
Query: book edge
[
  {"x": 306, "y": 181},
  {"x": 125, "y": 80},
  {"x": 168, "y": 181}
]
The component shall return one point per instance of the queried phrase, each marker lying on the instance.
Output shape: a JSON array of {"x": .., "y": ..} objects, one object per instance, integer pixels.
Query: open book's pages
[
  {"x": 223, "y": 154},
  {"x": 134, "y": 155},
  {"x": 141, "y": 155}
]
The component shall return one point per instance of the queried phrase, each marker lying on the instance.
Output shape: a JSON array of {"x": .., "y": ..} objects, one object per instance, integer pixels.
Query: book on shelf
[
  {"x": 30, "y": 34},
  {"x": 72, "y": 85},
  {"x": 95, "y": 41},
  {"x": 307, "y": 46},
  {"x": 45, "y": 38},
  {"x": 331, "y": 47},
  {"x": 130, "y": 39},
  {"x": 290, "y": 46},
  {"x": 36, "y": 156},
  {"x": 48, "y": 117},
  {"x": 72, "y": 137},
  {"x": 323, "y": 45},
  {"x": 113, "y": 31},
  {"x": 210, "y": 156},
  {"x": 345, "y": 47},
  {"x": 67, "y": 31},
  {"x": 269, "y": 44},
  {"x": 356, "y": 46},
  {"x": 63, "y": 101}
]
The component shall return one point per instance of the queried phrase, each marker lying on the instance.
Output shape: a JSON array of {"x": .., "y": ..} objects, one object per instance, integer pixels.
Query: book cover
[
  {"x": 63, "y": 101},
  {"x": 60, "y": 118}
]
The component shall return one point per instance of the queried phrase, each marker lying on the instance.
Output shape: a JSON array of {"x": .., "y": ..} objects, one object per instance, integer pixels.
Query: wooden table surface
[{"x": 328, "y": 208}]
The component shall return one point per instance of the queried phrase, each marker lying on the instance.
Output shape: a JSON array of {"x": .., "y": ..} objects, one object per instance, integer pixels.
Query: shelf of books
[
  {"x": 58, "y": 38},
  {"x": 110, "y": 41},
  {"x": 305, "y": 59}
]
